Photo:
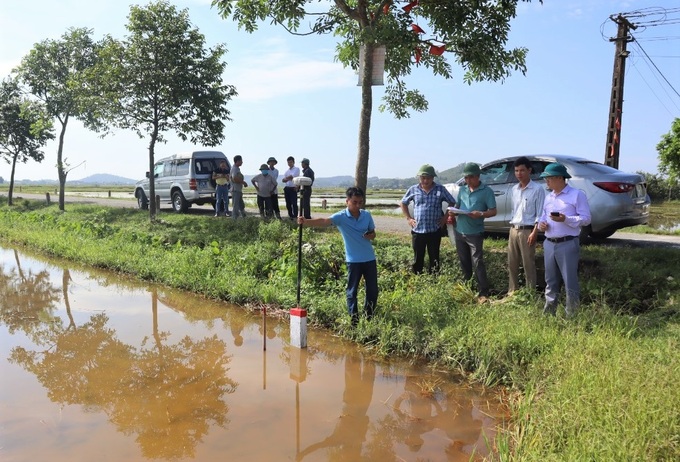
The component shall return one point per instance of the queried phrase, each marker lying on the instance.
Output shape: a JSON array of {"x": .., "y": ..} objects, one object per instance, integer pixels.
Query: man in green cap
[
  {"x": 565, "y": 211},
  {"x": 428, "y": 217},
  {"x": 478, "y": 202}
]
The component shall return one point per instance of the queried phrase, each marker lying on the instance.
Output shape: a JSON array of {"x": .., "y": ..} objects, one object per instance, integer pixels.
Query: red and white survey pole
[{"x": 298, "y": 315}]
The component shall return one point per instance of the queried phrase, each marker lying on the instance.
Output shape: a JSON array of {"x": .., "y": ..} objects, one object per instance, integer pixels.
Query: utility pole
[{"x": 611, "y": 155}]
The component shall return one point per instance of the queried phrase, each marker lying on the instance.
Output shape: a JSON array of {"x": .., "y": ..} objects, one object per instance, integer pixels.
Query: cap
[
  {"x": 426, "y": 170},
  {"x": 555, "y": 169},
  {"x": 272, "y": 159},
  {"x": 264, "y": 167},
  {"x": 471, "y": 169}
]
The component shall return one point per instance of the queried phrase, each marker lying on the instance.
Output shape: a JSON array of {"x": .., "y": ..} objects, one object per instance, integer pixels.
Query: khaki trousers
[{"x": 520, "y": 251}]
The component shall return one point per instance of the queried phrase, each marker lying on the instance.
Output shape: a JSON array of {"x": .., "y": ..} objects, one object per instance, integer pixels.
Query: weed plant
[{"x": 602, "y": 386}]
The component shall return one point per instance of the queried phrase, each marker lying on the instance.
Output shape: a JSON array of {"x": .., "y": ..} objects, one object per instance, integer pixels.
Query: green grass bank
[{"x": 603, "y": 386}]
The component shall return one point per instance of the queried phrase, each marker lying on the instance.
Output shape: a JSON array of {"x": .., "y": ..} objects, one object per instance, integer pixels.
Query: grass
[{"x": 600, "y": 387}]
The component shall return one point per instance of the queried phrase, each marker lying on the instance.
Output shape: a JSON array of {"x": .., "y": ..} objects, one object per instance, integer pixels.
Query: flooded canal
[{"x": 94, "y": 366}]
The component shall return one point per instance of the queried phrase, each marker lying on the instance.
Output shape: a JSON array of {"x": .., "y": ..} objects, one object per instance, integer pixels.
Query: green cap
[
  {"x": 555, "y": 169},
  {"x": 426, "y": 170},
  {"x": 471, "y": 169}
]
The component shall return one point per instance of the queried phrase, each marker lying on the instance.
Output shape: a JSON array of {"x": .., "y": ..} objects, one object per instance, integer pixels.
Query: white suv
[{"x": 182, "y": 180}]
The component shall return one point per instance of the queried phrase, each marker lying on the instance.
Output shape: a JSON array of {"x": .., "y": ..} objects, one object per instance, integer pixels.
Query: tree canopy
[
  {"x": 669, "y": 151},
  {"x": 419, "y": 33},
  {"x": 162, "y": 78},
  {"x": 25, "y": 127},
  {"x": 55, "y": 73}
]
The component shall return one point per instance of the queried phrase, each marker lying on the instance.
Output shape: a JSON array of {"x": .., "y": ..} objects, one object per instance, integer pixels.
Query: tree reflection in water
[{"x": 168, "y": 395}]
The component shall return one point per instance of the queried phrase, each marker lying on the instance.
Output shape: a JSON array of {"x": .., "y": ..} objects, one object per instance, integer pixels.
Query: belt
[
  {"x": 557, "y": 240},
  {"x": 522, "y": 226}
]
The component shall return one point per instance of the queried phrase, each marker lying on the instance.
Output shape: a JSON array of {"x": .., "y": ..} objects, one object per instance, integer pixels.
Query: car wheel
[
  {"x": 179, "y": 203},
  {"x": 585, "y": 236},
  {"x": 142, "y": 201}
]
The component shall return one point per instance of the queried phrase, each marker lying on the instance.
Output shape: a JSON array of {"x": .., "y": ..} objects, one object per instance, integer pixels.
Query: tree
[
  {"x": 474, "y": 33},
  {"x": 162, "y": 78},
  {"x": 669, "y": 154},
  {"x": 25, "y": 127},
  {"x": 55, "y": 71}
]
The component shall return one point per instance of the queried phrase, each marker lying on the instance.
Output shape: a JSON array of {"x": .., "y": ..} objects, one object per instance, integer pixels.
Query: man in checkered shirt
[{"x": 428, "y": 217}]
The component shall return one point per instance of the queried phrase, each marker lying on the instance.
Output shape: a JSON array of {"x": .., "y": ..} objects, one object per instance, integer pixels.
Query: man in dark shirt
[{"x": 307, "y": 191}]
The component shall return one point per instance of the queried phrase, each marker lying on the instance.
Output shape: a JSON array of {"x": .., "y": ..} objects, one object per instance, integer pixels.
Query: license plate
[{"x": 202, "y": 184}]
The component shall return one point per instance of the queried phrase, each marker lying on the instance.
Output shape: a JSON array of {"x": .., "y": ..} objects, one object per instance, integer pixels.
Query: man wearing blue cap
[{"x": 565, "y": 211}]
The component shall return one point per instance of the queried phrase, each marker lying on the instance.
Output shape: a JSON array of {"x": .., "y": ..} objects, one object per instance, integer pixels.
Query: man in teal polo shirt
[{"x": 478, "y": 202}]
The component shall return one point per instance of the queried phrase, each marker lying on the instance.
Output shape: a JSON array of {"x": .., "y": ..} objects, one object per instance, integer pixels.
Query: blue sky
[{"x": 295, "y": 100}]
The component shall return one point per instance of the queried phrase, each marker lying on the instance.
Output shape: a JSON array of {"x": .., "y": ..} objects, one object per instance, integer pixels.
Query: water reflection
[{"x": 93, "y": 362}]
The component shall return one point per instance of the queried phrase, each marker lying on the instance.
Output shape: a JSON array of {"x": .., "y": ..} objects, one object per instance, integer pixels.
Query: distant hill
[
  {"x": 102, "y": 179},
  {"x": 450, "y": 175}
]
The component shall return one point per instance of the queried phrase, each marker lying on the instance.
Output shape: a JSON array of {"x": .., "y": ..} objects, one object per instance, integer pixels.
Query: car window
[
  {"x": 182, "y": 166},
  {"x": 168, "y": 168},
  {"x": 204, "y": 166},
  {"x": 497, "y": 173},
  {"x": 537, "y": 168},
  {"x": 158, "y": 169}
]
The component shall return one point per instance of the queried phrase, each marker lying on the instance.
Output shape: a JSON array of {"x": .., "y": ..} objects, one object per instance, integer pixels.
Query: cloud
[{"x": 273, "y": 71}]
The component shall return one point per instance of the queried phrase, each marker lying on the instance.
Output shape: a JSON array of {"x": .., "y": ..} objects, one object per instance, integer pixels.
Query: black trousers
[
  {"x": 422, "y": 242},
  {"x": 290, "y": 194}
]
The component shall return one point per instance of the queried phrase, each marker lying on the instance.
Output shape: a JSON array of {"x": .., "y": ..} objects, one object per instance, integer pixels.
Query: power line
[{"x": 654, "y": 64}]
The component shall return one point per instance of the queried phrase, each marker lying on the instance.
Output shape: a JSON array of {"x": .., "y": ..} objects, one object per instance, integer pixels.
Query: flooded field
[{"x": 99, "y": 367}]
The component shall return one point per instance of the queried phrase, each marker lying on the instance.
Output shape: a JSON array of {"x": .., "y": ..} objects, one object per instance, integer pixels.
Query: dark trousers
[
  {"x": 426, "y": 241},
  {"x": 275, "y": 205},
  {"x": 369, "y": 271},
  {"x": 306, "y": 202},
  {"x": 290, "y": 194},
  {"x": 265, "y": 206},
  {"x": 470, "y": 249}
]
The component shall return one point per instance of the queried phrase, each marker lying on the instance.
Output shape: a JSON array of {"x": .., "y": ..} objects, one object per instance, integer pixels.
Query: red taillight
[
  {"x": 614, "y": 187},
  {"x": 192, "y": 184}
]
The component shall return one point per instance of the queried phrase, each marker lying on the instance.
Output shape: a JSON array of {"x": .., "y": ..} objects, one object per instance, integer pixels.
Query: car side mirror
[{"x": 147, "y": 174}]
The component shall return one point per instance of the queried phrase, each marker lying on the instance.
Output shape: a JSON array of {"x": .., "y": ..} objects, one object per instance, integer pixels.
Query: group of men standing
[
  {"x": 560, "y": 214},
  {"x": 266, "y": 187}
]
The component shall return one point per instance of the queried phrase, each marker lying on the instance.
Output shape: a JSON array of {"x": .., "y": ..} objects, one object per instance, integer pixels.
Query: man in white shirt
[
  {"x": 289, "y": 190},
  {"x": 565, "y": 211},
  {"x": 274, "y": 173},
  {"x": 527, "y": 205}
]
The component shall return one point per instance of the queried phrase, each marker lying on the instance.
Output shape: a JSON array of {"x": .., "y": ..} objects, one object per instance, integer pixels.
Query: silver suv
[{"x": 182, "y": 180}]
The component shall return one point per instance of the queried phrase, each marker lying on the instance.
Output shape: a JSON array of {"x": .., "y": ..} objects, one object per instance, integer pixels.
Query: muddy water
[{"x": 97, "y": 367}]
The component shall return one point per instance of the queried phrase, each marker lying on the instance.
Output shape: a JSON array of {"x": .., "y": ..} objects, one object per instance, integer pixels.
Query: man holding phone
[
  {"x": 357, "y": 229},
  {"x": 565, "y": 211}
]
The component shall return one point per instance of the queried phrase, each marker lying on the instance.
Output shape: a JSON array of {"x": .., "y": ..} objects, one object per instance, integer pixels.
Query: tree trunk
[
  {"x": 152, "y": 183},
  {"x": 11, "y": 179},
  {"x": 61, "y": 171},
  {"x": 361, "y": 169}
]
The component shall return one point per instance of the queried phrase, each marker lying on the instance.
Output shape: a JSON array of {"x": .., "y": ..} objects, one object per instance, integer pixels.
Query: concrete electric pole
[{"x": 611, "y": 155}]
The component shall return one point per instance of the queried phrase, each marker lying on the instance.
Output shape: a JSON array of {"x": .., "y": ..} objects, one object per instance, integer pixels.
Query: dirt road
[{"x": 384, "y": 223}]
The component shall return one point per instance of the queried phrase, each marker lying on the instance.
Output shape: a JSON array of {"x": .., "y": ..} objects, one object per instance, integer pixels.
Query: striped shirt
[{"x": 427, "y": 206}]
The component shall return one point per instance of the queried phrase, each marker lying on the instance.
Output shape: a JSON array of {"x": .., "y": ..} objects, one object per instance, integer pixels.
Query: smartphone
[
  {"x": 368, "y": 232},
  {"x": 554, "y": 214}
]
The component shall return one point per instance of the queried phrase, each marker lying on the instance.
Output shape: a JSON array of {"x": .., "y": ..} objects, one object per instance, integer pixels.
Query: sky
[{"x": 294, "y": 99}]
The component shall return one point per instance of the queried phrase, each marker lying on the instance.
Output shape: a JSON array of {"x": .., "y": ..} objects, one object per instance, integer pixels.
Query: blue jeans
[
  {"x": 221, "y": 197},
  {"x": 561, "y": 266},
  {"x": 369, "y": 270}
]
